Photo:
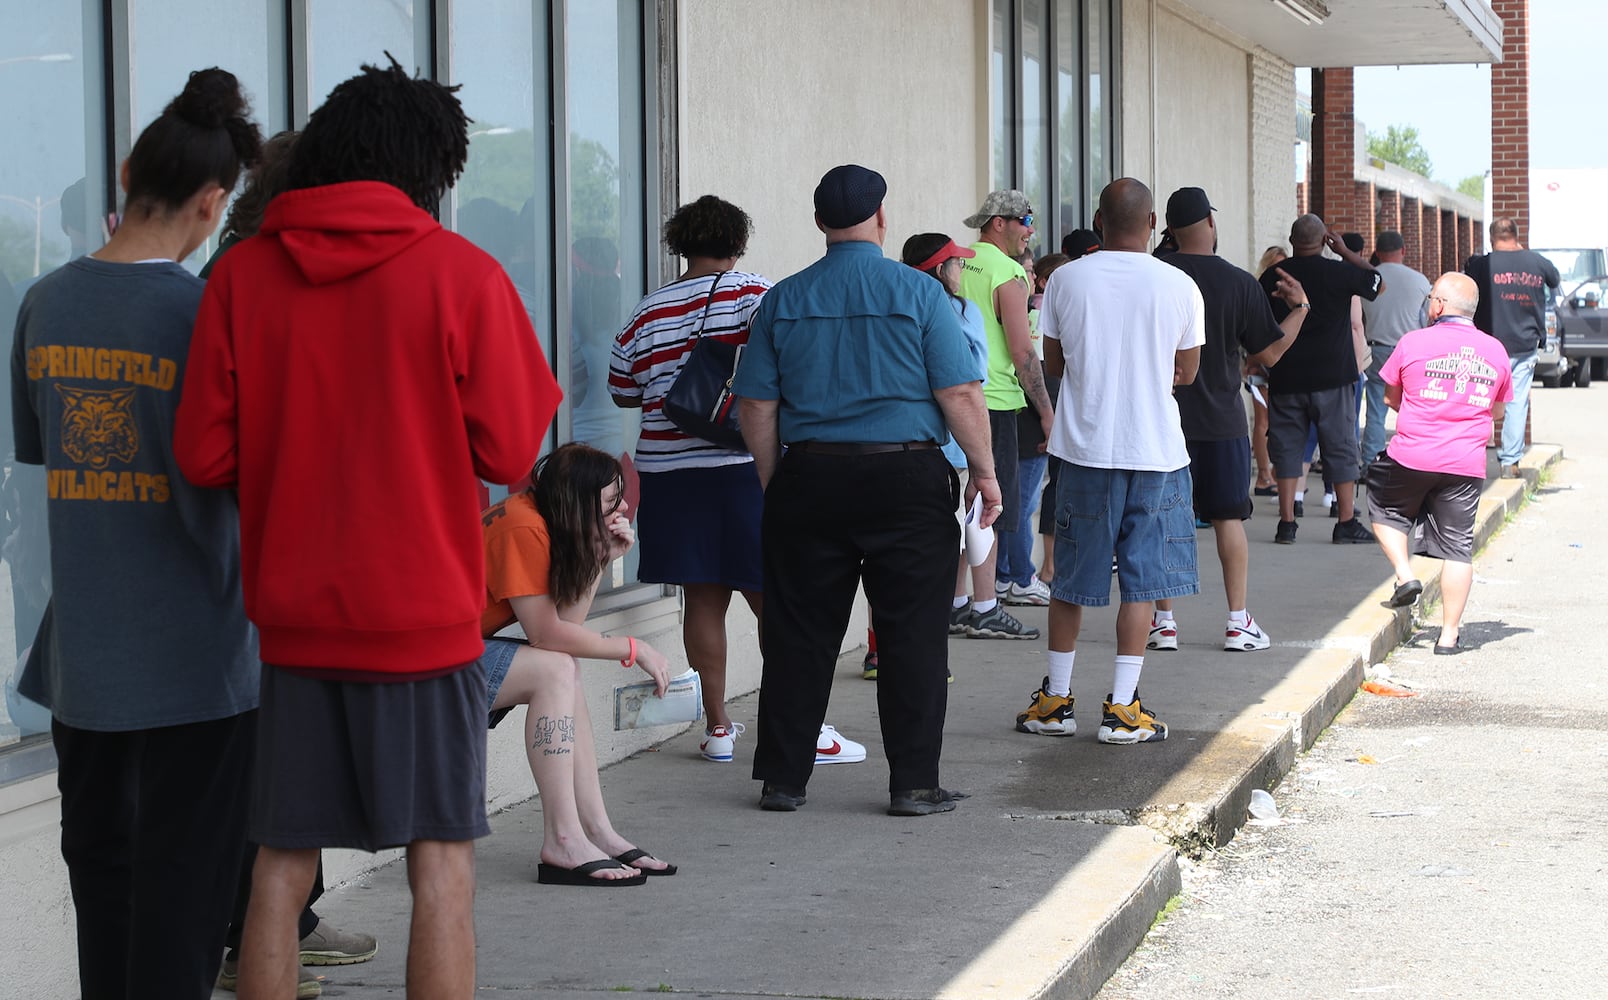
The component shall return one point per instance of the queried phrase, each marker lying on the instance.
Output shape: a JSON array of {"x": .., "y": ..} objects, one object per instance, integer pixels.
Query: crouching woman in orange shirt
[{"x": 546, "y": 548}]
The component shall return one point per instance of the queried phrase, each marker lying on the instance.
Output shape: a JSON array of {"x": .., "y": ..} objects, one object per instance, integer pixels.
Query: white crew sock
[
  {"x": 1060, "y": 673},
  {"x": 1162, "y": 618},
  {"x": 1328, "y": 498},
  {"x": 1125, "y": 679},
  {"x": 1300, "y": 496},
  {"x": 1240, "y": 617},
  {"x": 961, "y": 602},
  {"x": 984, "y": 607}
]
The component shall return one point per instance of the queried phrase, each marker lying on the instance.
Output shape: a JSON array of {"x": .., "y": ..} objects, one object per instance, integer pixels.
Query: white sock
[
  {"x": 1060, "y": 673},
  {"x": 1240, "y": 617},
  {"x": 1125, "y": 679},
  {"x": 984, "y": 607},
  {"x": 1328, "y": 498},
  {"x": 961, "y": 601},
  {"x": 1162, "y": 618},
  {"x": 1300, "y": 496}
]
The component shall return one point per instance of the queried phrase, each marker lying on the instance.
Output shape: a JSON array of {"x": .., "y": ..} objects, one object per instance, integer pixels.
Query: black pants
[
  {"x": 152, "y": 824},
  {"x": 242, "y": 898},
  {"x": 830, "y": 522}
]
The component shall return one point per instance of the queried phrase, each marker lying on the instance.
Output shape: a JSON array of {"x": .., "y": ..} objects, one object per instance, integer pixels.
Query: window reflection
[
  {"x": 1035, "y": 125},
  {"x": 499, "y": 56},
  {"x": 342, "y": 35},
  {"x": 173, "y": 38},
  {"x": 52, "y": 206},
  {"x": 606, "y": 202},
  {"x": 1069, "y": 157}
]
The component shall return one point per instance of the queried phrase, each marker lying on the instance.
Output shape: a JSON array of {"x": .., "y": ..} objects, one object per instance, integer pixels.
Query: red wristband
[{"x": 630, "y": 661}]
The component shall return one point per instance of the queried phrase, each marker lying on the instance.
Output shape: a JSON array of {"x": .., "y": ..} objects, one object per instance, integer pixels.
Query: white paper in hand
[
  {"x": 979, "y": 540},
  {"x": 635, "y": 706}
]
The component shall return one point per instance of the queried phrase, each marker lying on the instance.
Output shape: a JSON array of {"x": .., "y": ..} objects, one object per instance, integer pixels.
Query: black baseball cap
[
  {"x": 1080, "y": 243},
  {"x": 1187, "y": 206}
]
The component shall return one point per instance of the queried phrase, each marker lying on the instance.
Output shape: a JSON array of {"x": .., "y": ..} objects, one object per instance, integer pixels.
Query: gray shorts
[
  {"x": 370, "y": 766},
  {"x": 1290, "y": 417}
]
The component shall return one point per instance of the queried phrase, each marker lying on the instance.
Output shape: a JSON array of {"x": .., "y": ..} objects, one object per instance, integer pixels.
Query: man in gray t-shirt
[{"x": 1399, "y": 308}]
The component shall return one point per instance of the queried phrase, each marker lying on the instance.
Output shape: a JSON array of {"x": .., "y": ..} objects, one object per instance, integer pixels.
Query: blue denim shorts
[
  {"x": 1146, "y": 519},
  {"x": 499, "y": 656}
]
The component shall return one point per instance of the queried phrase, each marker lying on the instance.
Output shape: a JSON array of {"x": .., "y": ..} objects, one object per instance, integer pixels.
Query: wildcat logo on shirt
[
  {"x": 1464, "y": 369},
  {"x": 98, "y": 428}
]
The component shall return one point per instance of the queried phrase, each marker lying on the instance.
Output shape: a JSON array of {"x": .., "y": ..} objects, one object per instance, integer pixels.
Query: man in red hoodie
[{"x": 354, "y": 369}]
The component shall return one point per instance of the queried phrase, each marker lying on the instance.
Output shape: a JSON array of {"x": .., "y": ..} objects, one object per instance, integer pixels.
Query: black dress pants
[
  {"x": 831, "y": 522},
  {"x": 152, "y": 826}
]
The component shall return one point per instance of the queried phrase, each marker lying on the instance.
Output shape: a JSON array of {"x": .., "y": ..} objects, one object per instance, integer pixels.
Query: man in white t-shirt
[{"x": 1122, "y": 329}]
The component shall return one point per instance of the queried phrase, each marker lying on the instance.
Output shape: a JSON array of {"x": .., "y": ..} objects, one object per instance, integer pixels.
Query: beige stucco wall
[
  {"x": 774, "y": 95},
  {"x": 1203, "y": 107}
]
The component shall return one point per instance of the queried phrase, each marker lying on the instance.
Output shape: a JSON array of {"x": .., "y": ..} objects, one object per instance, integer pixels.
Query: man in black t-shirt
[
  {"x": 1512, "y": 284},
  {"x": 1239, "y": 323},
  {"x": 1316, "y": 382}
]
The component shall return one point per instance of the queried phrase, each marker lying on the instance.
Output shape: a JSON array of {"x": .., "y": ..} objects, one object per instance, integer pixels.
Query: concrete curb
[{"x": 1267, "y": 736}]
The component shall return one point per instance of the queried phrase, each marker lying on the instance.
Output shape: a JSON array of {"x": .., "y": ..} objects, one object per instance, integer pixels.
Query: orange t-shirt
[{"x": 518, "y": 554}]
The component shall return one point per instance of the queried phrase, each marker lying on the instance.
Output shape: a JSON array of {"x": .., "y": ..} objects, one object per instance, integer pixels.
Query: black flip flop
[
  {"x": 636, "y": 854},
  {"x": 548, "y": 874},
  {"x": 1451, "y": 650},
  {"x": 1406, "y": 594}
]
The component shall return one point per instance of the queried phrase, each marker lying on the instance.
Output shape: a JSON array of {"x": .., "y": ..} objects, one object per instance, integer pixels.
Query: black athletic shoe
[
  {"x": 780, "y": 798},
  {"x": 1285, "y": 535},
  {"x": 1352, "y": 532},
  {"x": 1300, "y": 509},
  {"x": 1334, "y": 508}
]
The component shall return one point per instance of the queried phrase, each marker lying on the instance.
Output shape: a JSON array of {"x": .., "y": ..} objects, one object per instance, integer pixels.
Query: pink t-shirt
[{"x": 1450, "y": 374}]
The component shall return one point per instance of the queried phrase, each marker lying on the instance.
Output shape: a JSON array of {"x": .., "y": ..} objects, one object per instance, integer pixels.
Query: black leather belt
[{"x": 861, "y": 447}]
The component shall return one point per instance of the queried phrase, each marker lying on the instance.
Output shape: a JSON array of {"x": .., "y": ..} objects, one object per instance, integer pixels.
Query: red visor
[{"x": 945, "y": 252}]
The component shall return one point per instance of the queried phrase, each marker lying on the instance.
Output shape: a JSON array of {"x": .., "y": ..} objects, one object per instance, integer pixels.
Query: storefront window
[
  {"x": 245, "y": 37},
  {"x": 342, "y": 35},
  {"x": 53, "y": 189},
  {"x": 1034, "y": 177},
  {"x": 606, "y": 201},
  {"x": 1051, "y": 127},
  {"x": 502, "y": 202}
]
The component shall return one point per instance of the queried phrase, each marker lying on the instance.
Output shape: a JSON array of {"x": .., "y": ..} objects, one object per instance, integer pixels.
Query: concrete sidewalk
[{"x": 1038, "y": 885}]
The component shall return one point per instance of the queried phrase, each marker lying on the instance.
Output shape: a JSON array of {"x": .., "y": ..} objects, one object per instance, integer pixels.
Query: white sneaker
[
  {"x": 1000, "y": 590},
  {"x": 832, "y": 747},
  {"x": 1244, "y": 638},
  {"x": 1035, "y": 594},
  {"x": 1163, "y": 635},
  {"x": 721, "y": 743}
]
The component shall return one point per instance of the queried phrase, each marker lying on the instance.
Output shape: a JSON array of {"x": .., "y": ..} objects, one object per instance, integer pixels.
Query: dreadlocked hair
[
  {"x": 384, "y": 125},
  {"x": 566, "y": 486}
]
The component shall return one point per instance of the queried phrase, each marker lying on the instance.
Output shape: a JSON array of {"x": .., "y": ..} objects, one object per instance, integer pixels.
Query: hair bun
[{"x": 210, "y": 99}]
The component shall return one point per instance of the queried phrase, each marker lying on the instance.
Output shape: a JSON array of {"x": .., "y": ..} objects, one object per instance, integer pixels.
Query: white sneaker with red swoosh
[{"x": 832, "y": 747}]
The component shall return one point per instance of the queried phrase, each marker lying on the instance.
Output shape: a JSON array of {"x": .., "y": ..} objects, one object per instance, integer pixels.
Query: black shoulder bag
[{"x": 700, "y": 401}]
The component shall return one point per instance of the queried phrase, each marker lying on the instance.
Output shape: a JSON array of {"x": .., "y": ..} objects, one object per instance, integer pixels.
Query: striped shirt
[{"x": 650, "y": 351}]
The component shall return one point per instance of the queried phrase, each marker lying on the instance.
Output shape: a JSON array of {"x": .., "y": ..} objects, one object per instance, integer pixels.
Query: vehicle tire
[
  {"x": 1599, "y": 368},
  {"x": 1583, "y": 376},
  {"x": 1566, "y": 378},
  {"x": 1549, "y": 381}
]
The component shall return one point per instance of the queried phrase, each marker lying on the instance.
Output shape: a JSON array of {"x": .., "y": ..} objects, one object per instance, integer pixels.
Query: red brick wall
[
  {"x": 1429, "y": 232},
  {"x": 1333, "y": 192},
  {"x": 1412, "y": 233},
  {"x": 1510, "y": 117},
  {"x": 1366, "y": 202},
  {"x": 1448, "y": 244},
  {"x": 1389, "y": 216}
]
